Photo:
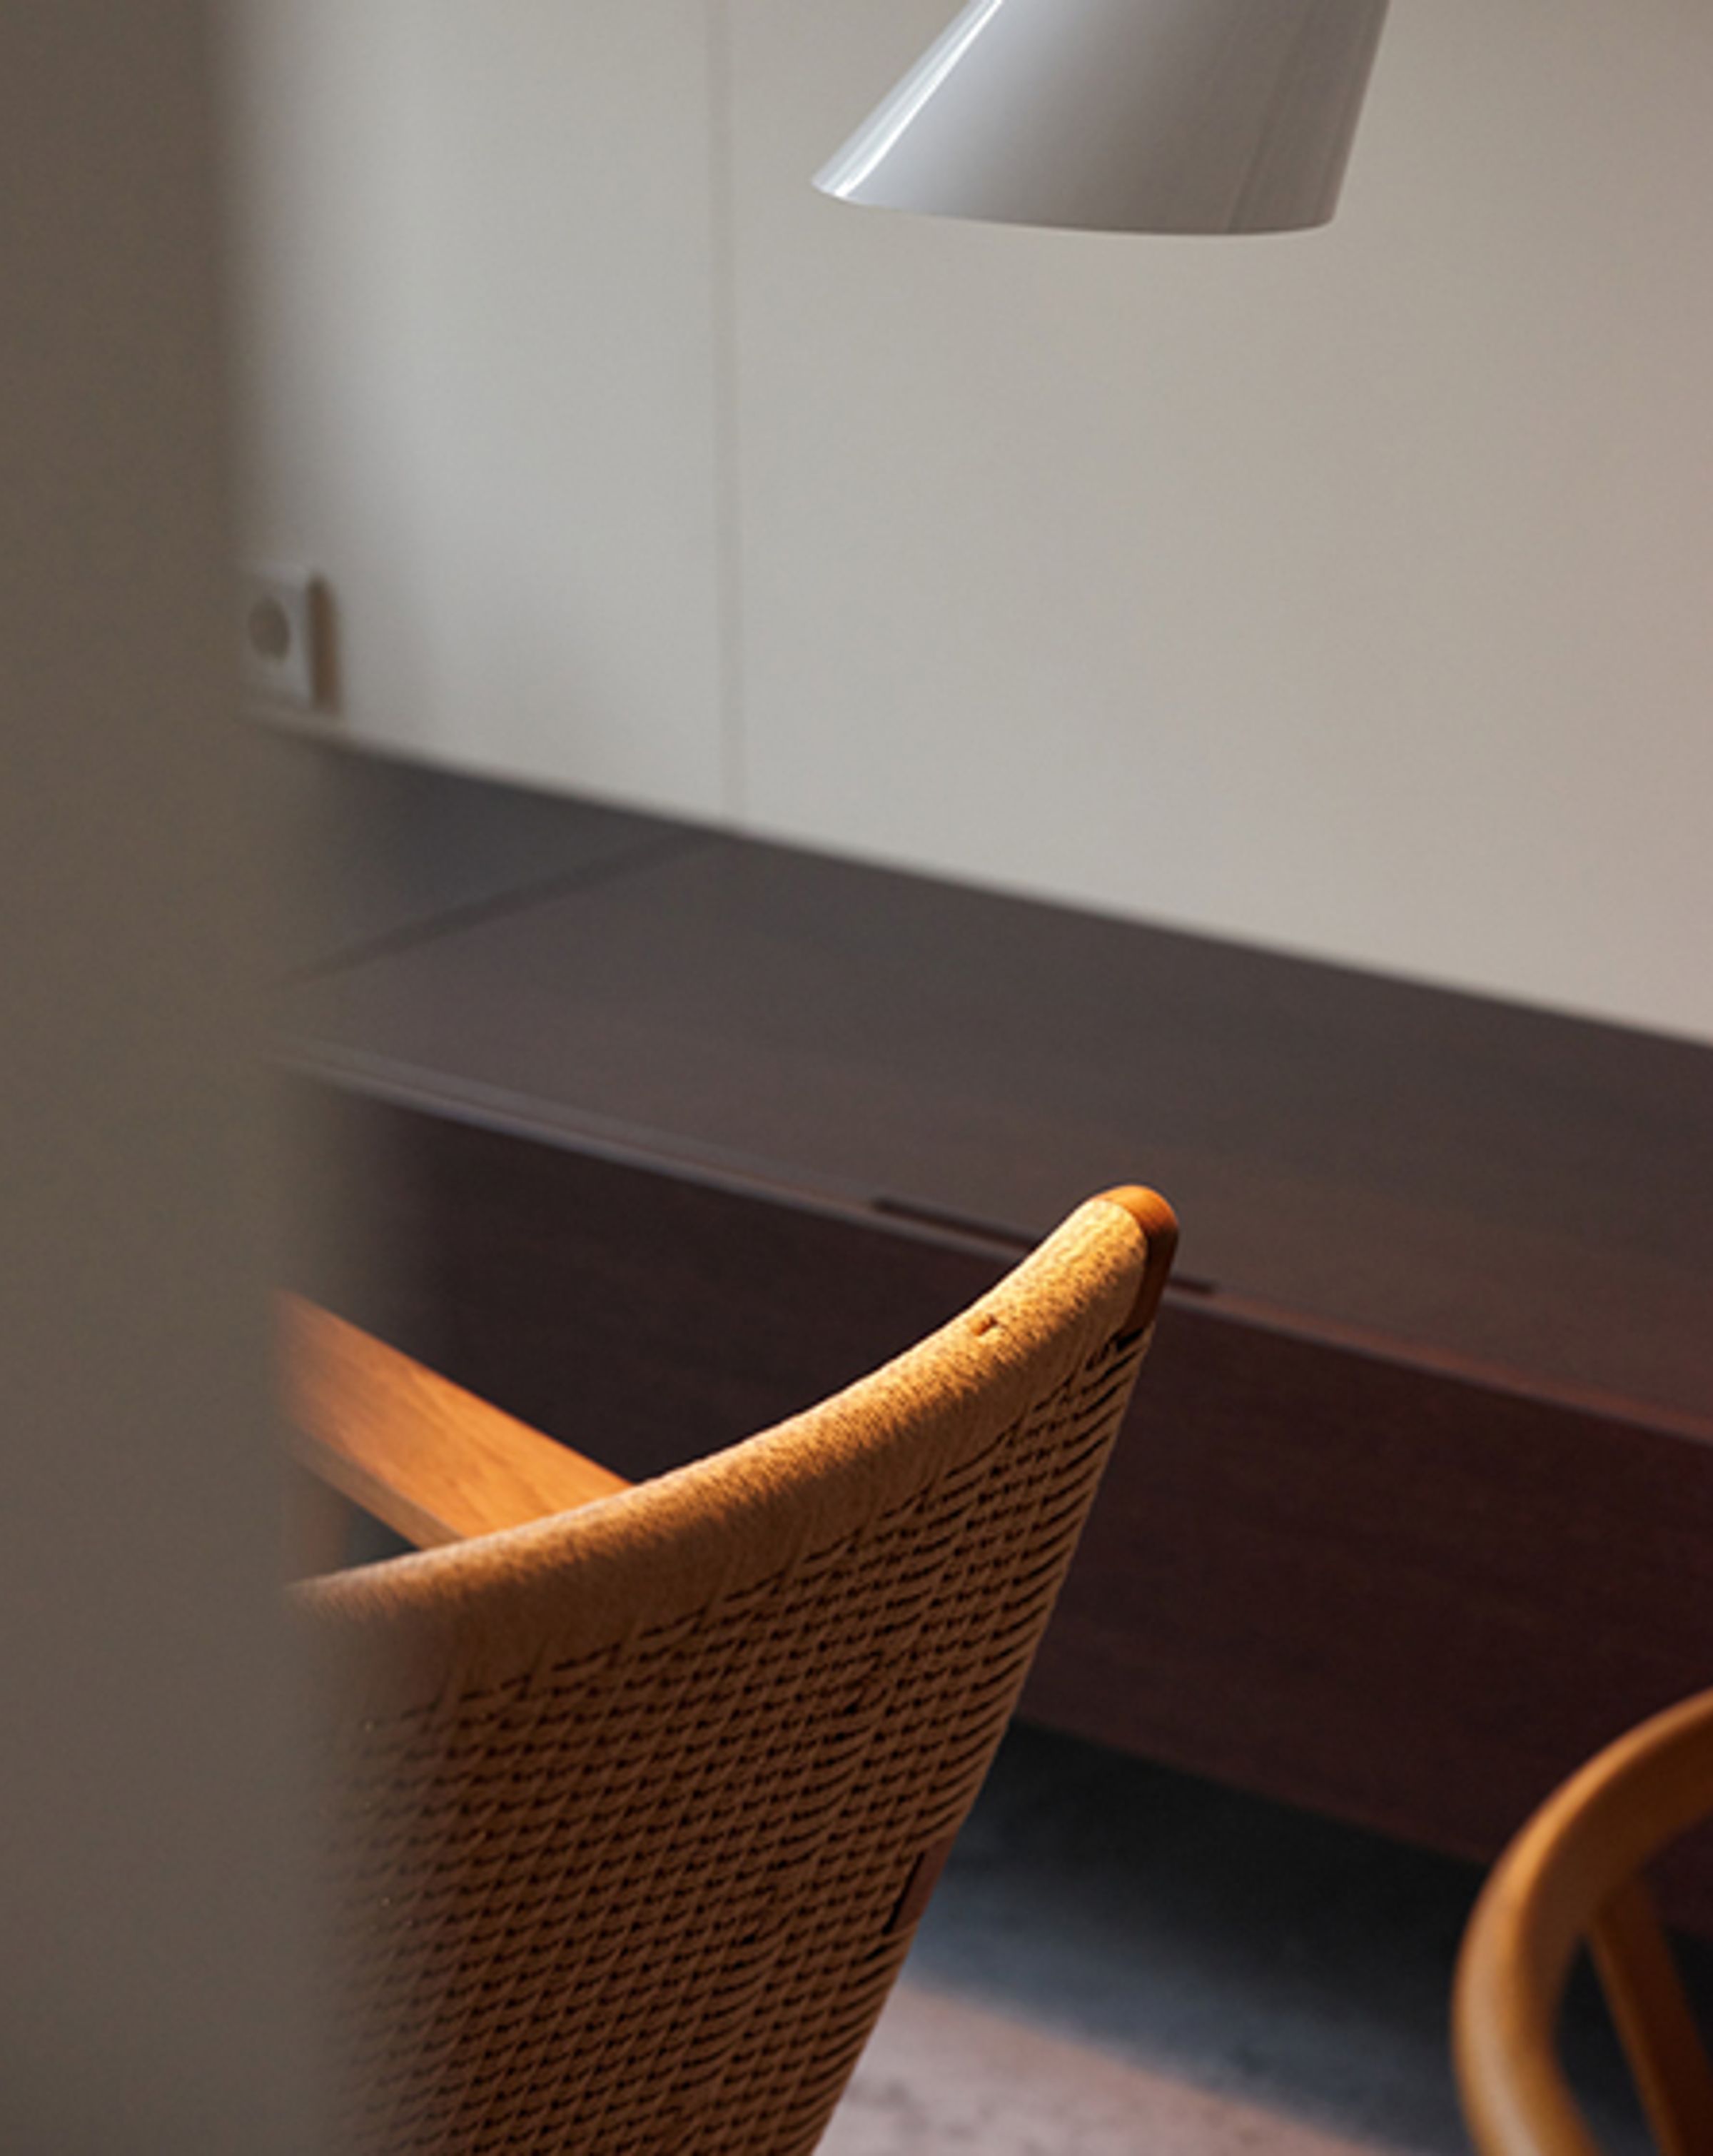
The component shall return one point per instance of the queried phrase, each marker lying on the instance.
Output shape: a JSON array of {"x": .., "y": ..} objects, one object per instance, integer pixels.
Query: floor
[{"x": 1120, "y": 1958}]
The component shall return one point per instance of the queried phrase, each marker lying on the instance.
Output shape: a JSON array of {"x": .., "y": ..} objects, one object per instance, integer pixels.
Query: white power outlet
[{"x": 280, "y": 623}]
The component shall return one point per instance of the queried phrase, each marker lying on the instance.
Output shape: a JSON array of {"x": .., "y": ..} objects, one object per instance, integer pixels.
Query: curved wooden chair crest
[
  {"x": 633, "y": 1808},
  {"x": 1574, "y": 1877}
]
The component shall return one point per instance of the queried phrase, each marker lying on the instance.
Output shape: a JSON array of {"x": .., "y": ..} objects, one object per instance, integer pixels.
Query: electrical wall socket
[{"x": 280, "y": 628}]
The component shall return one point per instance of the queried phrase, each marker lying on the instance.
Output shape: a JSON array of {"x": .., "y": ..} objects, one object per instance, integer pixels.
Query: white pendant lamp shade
[{"x": 1125, "y": 115}]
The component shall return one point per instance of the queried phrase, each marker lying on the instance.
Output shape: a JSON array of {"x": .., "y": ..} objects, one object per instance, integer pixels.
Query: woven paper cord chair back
[{"x": 631, "y": 1810}]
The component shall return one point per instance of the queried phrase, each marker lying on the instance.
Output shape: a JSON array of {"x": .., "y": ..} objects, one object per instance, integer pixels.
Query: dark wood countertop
[{"x": 1454, "y": 1180}]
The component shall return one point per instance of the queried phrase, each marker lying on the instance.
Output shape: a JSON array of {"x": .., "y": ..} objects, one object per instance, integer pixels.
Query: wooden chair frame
[
  {"x": 433, "y": 1462},
  {"x": 1574, "y": 1875}
]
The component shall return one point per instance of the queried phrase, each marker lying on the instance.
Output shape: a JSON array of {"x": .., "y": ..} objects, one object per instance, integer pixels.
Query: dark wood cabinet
[{"x": 654, "y": 1134}]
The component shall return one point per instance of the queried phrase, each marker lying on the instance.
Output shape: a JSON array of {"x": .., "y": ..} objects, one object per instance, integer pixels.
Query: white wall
[
  {"x": 1346, "y": 592},
  {"x": 480, "y": 361}
]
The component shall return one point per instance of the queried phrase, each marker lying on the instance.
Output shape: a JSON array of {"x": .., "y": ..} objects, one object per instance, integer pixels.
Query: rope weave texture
[{"x": 639, "y": 1902}]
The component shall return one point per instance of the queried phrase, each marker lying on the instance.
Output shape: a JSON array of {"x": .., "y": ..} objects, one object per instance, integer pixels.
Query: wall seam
[{"x": 727, "y": 466}]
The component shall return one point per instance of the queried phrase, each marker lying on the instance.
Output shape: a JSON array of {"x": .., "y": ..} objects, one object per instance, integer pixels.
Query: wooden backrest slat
[{"x": 1645, "y": 1994}]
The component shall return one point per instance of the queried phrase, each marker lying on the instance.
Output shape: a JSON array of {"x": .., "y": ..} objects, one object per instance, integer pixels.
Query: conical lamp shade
[{"x": 1127, "y": 115}]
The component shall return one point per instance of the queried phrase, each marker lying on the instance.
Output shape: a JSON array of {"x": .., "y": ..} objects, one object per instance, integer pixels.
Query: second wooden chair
[{"x": 1573, "y": 1877}]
